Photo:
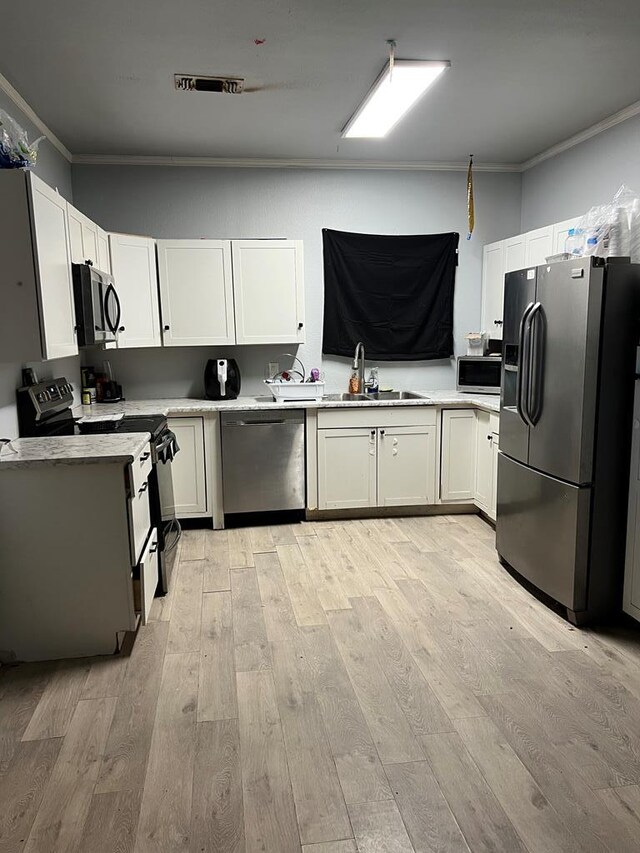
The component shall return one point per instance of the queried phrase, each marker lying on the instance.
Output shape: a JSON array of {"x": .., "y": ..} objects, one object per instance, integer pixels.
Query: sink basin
[
  {"x": 396, "y": 395},
  {"x": 346, "y": 397}
]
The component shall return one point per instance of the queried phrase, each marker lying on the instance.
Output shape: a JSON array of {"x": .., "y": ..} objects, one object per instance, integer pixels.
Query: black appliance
[
  {"x": 164, "y": 447},
  {"x": 479, "y": 374},
  {"x": 222, "y": 379},
  {"x": 97, "y": 305},
  {"x": 44, "y": 410}
]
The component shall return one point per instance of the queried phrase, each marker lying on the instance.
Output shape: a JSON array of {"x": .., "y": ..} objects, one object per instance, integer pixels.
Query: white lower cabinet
[
  {"x": 458, "y": 457},
  {"x": 188, "y": 469},
  {"x": 406, "y": 466},
  {"x": 346, "y": 468},
  {"x": 486, "y": 462},
  {"x": 389, "y": 462}
]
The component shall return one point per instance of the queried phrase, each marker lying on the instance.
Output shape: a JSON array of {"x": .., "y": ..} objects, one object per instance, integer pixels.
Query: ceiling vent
[{"x": 192, "y": 83}]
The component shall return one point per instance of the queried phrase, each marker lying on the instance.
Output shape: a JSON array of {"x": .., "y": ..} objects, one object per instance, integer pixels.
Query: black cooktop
[{"x": 154, "y": 424}]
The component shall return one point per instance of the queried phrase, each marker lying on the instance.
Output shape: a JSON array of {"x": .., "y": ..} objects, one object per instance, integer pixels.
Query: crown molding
[
  {"x": 595, "y": 129},
  {"x": 267, "y": 163},
  {"x": 20, "y": 102}
]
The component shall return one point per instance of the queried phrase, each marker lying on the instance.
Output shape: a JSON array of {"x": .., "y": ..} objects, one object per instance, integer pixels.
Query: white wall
[
  {"x": 258, "y": 203},
  {"x": 56, "y": 171},
  {"x": 588, "y": 174}
]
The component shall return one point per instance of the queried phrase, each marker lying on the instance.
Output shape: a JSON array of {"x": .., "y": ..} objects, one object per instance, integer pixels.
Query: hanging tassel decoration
[{"x": 471, "y": 216}]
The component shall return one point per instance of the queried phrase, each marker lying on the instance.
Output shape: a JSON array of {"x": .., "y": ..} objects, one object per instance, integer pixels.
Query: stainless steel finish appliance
[
  {"x": 263, "y": 461},
  {"x": 570, "y": 334},
  {"x": 97, "y": 305},
  {"x": 479, "y": 374}
]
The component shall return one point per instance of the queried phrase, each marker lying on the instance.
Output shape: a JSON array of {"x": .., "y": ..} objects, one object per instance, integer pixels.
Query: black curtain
[{"x": 395, "y": 294}]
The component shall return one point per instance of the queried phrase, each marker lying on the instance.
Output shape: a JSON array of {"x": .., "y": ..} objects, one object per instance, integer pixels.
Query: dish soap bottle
[
  {"x": 354, "y": 382},
  {"x": 373, "y": 383}
]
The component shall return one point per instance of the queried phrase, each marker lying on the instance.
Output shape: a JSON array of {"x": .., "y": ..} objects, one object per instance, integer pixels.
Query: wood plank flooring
[{"x": 380, "y": 686}]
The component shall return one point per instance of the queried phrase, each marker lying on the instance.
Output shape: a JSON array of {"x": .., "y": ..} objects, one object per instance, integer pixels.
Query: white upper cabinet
[
  {"x": 53, "y": 266},
  {"x": 269, "y": 291},
  {"x": 104, "y": 256},
  {"x": 83, "y": 238},
  {"x": 196, "y": 292},
  {"x": 514, "y": 253},
  {"x": 538, "y": 246},
  {"x": 133, "y": 266},
  {"x": 492, "y": 288}
]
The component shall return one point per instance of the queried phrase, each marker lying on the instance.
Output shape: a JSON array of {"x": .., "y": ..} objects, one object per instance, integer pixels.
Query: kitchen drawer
[
  {"x": 140, "y": 469},
  {"x": 139, "y": 520},
  {"x": 145, "y": 579},
  {"x": 374, "y": 416}
]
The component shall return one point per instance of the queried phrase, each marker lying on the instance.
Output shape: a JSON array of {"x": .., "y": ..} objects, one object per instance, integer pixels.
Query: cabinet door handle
[
  {"x": 300, "y": 325},
  {"x": 490, "y": 437},
  {"x": 382, "y": 433},
  {"x": 166, "y": 328},
  {"x": 143, "y": 487},
  {"x": 153, "y": 548},
  {"x": 497, "y": 322},
  {"x": 373, "y": 432},
  {"x": 146, "y": 455},
  {"x": 121, "y": 329}
]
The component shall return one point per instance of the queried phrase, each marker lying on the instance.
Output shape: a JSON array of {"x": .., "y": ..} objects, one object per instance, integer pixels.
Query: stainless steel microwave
[
  {"x": 97, "y": 305},
  {"x": 479, "y": 373}
]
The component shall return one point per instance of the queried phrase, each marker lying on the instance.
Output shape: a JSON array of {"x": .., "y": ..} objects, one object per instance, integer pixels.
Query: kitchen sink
[
  {"x": 396, "y": 395},
  {"x": 378, "y": 397},
  {"x": 345, "y": 397}
]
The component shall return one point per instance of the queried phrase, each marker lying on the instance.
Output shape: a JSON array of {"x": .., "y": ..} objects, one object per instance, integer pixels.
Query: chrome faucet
[{"x": 358, "y": 364}]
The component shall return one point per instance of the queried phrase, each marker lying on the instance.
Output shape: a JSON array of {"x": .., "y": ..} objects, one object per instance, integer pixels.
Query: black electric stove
[{"x": 45, "y": 410}]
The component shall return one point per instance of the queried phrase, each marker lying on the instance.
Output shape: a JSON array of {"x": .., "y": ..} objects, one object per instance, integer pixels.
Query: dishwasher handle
[{"x": 255, "y": 423}]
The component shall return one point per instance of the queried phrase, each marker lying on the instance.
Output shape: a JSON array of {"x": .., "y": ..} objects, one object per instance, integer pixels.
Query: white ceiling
[{"x": 525, "y": 75}]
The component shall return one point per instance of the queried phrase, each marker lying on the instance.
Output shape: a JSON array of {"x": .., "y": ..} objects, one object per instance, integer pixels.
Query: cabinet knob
[
  {"x": 489, "y": 437},
  {"x": 497, "y": 322},
  {"x": 382, "y": 433},
  {"x": 300, "y": 325},
  {"x": 166, "y": 328},
  {"x": 121, "y": 329},
  {"x": 373, "y": 432}
]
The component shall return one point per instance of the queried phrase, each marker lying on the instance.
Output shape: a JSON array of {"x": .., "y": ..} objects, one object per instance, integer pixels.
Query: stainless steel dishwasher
[{"x": 263, "y": 460}]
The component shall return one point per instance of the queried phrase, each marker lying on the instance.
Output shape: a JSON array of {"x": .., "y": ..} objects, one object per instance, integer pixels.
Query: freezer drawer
[
  {"x": 263, "y": 461},
  {"x": 542, "y": 531}
]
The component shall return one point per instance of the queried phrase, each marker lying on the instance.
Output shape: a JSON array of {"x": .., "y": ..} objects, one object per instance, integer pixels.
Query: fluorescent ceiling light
[{"x": 392, "y": 95}]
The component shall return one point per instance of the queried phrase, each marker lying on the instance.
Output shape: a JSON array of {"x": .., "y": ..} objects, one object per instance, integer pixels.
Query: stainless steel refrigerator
[{"x": 570, "y": 337}]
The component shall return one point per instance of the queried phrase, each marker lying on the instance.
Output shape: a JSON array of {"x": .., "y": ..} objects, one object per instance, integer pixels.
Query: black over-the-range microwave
[{"x": 479, "y": 373}]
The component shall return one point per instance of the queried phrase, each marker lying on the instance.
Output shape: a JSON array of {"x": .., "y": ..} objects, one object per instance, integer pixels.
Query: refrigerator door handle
[
  {"x": 534, "y": 330},
  {"x": 522, "y": 386}
]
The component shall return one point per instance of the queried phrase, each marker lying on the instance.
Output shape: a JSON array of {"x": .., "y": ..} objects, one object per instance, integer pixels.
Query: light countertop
[
  {"x": 73, "y": 450},
  {"x": 192, "y": 405}
]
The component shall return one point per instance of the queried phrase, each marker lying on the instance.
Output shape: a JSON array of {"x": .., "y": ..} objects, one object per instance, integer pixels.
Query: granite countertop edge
[
  {"x": 109, "y": 448},
  {"x": 191, "y": 405}
]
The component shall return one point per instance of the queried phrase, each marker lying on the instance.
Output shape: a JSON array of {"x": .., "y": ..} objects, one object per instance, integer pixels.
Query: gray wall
[
  {"x": 588, "y": 174},
  {"x": 258, "y": 203},
  {"x": 56, "y": 171}
]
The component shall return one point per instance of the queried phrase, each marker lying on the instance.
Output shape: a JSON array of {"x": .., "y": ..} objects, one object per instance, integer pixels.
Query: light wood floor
[{"x": 365, "y": 685}]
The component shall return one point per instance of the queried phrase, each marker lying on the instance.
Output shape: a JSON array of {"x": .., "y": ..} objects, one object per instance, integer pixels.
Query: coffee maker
[{"x": 222, "y": 379}]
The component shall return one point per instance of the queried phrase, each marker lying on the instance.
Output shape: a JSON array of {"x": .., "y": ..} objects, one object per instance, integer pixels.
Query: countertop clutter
[{"x": 72, "y": 450}]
